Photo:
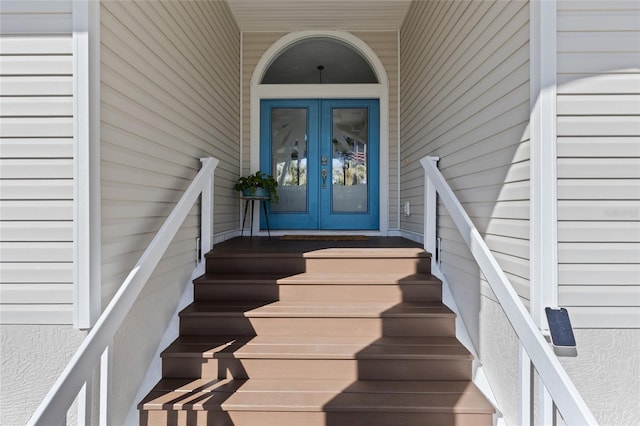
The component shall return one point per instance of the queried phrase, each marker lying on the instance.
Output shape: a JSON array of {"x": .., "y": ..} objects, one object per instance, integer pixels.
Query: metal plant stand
[{"x": 252, "y": 200}]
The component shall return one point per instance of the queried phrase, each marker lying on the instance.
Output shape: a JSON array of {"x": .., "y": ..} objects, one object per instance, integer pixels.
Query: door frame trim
[{"x": 378, "y": 91}]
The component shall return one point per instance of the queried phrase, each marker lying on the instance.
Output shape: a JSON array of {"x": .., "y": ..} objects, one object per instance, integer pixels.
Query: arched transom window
[{"x": 319, "y": 60}]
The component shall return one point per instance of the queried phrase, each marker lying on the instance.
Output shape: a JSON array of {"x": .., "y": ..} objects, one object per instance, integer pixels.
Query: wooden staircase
[{"x": 329, "y": 336}]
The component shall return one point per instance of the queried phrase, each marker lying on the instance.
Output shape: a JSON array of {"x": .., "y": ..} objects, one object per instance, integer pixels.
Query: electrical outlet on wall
[{"x": 407, "y": 208}]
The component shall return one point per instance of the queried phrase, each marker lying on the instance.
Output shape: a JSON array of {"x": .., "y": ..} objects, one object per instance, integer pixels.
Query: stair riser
[
  {"x": 361, "y": 293},
  {"x": 347, "y": 369},
  {"x": 257, "y": 265},
  {"x": 374, "y": 327},
  {"x": 236, "y": 292},
  {"x": 279, "y": 418},
  {"x": 319, "y": 293},
  {"x": 369, "y": 265}
]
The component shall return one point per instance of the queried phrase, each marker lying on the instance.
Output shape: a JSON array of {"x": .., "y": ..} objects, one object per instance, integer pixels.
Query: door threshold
[{"x": 280, "y": 233}]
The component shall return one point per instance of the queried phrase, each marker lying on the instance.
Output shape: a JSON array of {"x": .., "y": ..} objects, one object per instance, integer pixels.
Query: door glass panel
[
  {"x": 289, "y": 156},
  {"x": 350, "y": 159}
]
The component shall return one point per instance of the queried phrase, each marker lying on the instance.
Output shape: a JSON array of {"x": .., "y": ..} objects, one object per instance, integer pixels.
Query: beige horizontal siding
[
  {"x": 37, "y": 64},
  {"x": 25, "y": 168},
  {"x": 598, "y": 110},
  {"x": 36, "y": 163},
  {"x": 254, "y": 45},
  {"x": 22, "y": 230},
  {"x": 36, "y": 210},
  {"x": 20, "y": 18},
  {"x": 598, "y": 232},
  {"x": 36, "y": 189},
  {"x": 612, "y": 295},
  {"x": 42, "y": 45},
  {"x": 465, "y": 98},
  {"x": 37, "y": 85},
  {"x": 385, "y": 45},
  {"x": 36, "y": 294},
  {"x": 170, "y": 95},
  {"x": 50, "y": 313},
  {"x": 36, "y": 106},
  {"x": 36, "y": 127},
  {"x": 582, "y": 189},
  {"x": 599, "y": 274},
  {"x": 598, "y": 146}
]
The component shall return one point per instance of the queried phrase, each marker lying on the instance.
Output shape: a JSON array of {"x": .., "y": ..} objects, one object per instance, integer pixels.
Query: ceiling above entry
[{"x": 300, "y": 15}]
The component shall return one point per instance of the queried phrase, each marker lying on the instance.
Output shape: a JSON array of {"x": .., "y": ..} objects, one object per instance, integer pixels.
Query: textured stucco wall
[
  {"x": 607, "y": 374},
  {"x": 606, "y": 371},
  {"x": 31, "y": 359},
  {"x": 498, "y": 350},
  {"x": 136, "y": 342}
]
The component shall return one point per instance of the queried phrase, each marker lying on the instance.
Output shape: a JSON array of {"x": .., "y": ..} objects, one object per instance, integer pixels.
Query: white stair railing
[
  {"x": 95, "y": 350},
  {"x": 562, "y": 390}
]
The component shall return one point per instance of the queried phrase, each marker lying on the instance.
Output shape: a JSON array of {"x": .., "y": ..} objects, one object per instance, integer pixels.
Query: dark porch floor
[{"x": 278, "y": 245}]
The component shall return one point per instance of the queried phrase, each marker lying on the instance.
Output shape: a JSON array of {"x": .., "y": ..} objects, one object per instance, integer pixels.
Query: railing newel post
[
  {"x": 206, "y": 213},
  {"x": 430, "y": 212}
]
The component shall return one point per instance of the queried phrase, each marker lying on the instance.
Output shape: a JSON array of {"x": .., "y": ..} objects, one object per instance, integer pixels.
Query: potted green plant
[{"x": 258, "y": 184}]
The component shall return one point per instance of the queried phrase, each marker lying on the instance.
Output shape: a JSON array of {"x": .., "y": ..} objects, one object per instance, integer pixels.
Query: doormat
[{"x": 324, "y": 238}]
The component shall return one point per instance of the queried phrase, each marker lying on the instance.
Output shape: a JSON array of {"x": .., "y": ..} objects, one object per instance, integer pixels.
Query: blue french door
[{"x": 324, "y": 153}]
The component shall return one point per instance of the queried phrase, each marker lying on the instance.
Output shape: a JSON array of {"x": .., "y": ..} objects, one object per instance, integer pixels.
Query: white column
[
  {"x": 86, "y": 174},
  {"x": 544, "y": 198},
  {"x": 544, "y": 195}
]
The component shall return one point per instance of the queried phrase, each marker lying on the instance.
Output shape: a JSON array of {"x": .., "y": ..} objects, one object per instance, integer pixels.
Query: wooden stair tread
[
  {"x": 313, "y": 309},
  {"x": 315, "y": 340},
  {"x": 316, "y": 385},
  {"x": 329, "y": 348},
  {"x": 216, "y": 254},
  {"x": 336, "y": 395},
  {"x": 246, "y": 277},
  {"x": 324, "y": 278},
  {"x": 391, "y": 278},
  {"x": 346, "y": 252},
  {"x": 341, "y": 252}
]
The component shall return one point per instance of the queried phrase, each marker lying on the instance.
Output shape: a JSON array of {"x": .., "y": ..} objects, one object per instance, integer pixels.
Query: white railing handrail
[
  {"x": 565, "y": 395},
  {"x": 80, "y": 368}
]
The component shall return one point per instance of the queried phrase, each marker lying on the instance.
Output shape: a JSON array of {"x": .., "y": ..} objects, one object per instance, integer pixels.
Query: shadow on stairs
[{"x": 293, "y": 333}]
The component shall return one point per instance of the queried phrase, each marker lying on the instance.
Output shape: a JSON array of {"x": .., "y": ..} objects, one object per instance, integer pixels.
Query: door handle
[{"x": 324, "y": 178}]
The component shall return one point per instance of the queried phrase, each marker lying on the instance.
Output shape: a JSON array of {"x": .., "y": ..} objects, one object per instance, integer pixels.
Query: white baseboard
[
  {"x": 413, "y": 236},
  {"x": 224, "y": 236}
]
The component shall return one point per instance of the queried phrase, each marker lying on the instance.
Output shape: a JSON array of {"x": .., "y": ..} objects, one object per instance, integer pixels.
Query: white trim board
[
  {"x": 544, "y": 197},
  {"x": 86, "y": 230}
]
